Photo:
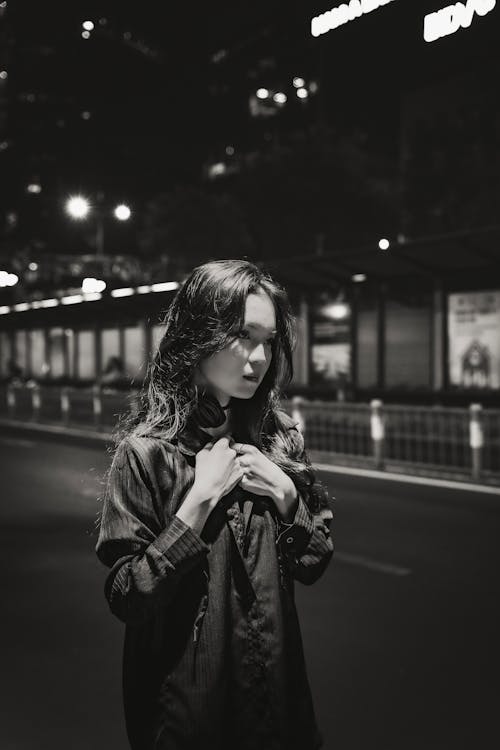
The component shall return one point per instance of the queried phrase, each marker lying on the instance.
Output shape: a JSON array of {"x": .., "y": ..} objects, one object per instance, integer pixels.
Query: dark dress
[{"x": 213, "y": 653}]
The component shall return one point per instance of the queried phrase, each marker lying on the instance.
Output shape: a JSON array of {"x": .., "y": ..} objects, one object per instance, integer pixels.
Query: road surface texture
[{"x": 401, "y": 633}]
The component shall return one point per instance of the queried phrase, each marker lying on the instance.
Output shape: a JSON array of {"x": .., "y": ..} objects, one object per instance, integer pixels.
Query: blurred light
[
  {"x": 92, "y": 297},
  {"x": 91, "y": 285},
  {"x": 22, "y": 306},
  {"x": 4, "y": 309},
  {"x": 49, "y": 302},
  {"x": 88, "y": 25},
  {"x": 302, "y": 93},
  {"x": 4, "y": 4},
  {"x": 358, "y": 277},
  {"x": 34, "y": 188},
  {"x": 3, "y": 75},
  {"x": 85, "y": 34},
  {"x": 125, "y": 291},
  {"x": 383, "y": 244},
  {"x": 33, "y": 266},
  {"x": 340, "y": 15},
  {"x": 103, "y": 21},
  {"x": 298, "y": 82},
  {"x": 216, "y": 169},
  {"x": 144, "y": 289},
  {"x": 449, "y": 20},
  {"x": 72, "y": 299},
  {"x": 280, "y": 97},
  {"x": 86, "y": 115},
  {"x": 262, "y": 93},
  {"x": 77, "y": 207},
  {"x": 313, "y": 87},
  {"x": 122, "y": 212},
  {"x": 229, "y": 150},
  {"x": 8, "y": 279},
  {"x": 337, "y": 311},
  {"x": 4, "y": 145},
  {"x": 164, "y": 286}
]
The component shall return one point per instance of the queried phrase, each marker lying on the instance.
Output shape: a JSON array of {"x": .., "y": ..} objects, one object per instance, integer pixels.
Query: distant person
[
  {"x": 114, "y": 372},
  {"x": 212, "y": 512}
]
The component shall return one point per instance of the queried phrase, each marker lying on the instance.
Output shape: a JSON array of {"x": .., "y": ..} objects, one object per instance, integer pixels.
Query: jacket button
[{"x": 289, "y": 540}]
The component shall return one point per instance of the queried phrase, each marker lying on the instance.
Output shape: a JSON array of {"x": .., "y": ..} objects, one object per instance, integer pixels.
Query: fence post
[
  {"x": 97, "y": 404},
  {"x": 297, "y": 413},
  {"x": 377, "y": 429},
  {"x": 476, "y": 439},
  {"x": 11, "y": 400},
  {"x": 65, "y": 405},
  {"x": 36, "y": 402}
]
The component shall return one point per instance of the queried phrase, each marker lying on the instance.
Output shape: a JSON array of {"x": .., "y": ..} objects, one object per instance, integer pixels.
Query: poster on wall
[
  {"x": 331, "y": 347},
  {"x": 474, "y": 339}
]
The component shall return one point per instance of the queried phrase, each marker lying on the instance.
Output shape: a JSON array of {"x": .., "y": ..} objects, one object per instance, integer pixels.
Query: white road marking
[
  {"x": 366, "y": 562},
  {"x": 393, "y": 476}
]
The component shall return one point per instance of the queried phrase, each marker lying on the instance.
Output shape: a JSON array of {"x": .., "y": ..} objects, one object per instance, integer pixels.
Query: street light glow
[
  {"x": 122, "y": 212},
  {"x": 262, "y": 93},
  {"x": 383, "y": 244},
  {"x": 280, "y": 97},
  {"x": 77, "y": 207},
  {"x": 8, "y": 279},
  {"x": 88, "y": 25},
  {"x": 86, "y": 34},
  {"x": 302, "y": 93},
  {"x": 90, "y": 285},
  {"x": 3, "y": 75},
  {"x": 298, "y": 82}
]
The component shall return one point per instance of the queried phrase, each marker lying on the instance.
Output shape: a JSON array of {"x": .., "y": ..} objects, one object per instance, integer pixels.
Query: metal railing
[
  {"x": 432, "y": 440},
  {"x": 442, "y": 441}
]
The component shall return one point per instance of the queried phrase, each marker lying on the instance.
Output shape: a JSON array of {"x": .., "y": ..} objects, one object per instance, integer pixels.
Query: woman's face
[{"x": 249, "y": 354}]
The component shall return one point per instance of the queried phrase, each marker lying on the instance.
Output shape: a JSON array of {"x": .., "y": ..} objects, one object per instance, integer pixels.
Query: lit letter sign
[
  {"x": 450, "y": 19},
  {"x": 341, "y": 14}
]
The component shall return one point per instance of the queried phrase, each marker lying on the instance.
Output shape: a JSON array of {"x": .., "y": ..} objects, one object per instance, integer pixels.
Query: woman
[{"x": 212, "y": 512}]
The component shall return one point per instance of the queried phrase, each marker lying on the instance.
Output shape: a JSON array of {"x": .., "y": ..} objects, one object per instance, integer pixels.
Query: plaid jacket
[{"x": 213, "y": 653}]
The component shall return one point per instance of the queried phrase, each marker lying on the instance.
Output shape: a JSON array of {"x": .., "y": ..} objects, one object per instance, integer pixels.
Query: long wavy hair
[{"x": 204, "y": 317}]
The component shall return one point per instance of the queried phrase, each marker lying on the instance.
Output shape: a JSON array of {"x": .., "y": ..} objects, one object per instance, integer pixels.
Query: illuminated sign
[
  {"x": 450, "y": 19},
  {"x": 340, "y": 15}
]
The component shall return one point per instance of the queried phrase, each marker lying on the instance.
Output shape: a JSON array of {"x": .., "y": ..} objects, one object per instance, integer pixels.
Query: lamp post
[{"x": 79, "y": 207}]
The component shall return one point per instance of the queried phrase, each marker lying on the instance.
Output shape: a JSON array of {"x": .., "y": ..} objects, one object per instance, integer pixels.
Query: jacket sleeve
[
  {"x": 147, "y": 560},
  {"x": 306, "y": 542}
]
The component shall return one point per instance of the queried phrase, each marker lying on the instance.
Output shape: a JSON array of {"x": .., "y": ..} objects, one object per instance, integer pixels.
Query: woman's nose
[{"x": 258, "y": 354}]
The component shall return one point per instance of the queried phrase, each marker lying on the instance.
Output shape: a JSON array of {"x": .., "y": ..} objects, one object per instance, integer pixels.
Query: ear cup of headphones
[{"x": 208, "y": 412}]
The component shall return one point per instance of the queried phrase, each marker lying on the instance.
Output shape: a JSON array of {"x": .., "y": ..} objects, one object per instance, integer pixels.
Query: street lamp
[{"x": 79, "y": 207}]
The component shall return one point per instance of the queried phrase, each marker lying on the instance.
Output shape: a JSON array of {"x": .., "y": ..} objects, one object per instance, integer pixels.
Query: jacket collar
[{"x": 192, "y": 439}]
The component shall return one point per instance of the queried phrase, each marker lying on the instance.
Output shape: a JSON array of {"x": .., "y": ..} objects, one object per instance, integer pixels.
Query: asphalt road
[{"x": 401, "y": 633}]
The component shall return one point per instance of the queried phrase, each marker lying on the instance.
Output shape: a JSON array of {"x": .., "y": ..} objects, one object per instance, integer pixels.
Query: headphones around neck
[{"x": 208, "y": 412}]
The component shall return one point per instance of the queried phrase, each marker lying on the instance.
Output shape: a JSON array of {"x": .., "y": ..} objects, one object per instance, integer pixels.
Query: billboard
[{"x": 474, "y": 339}]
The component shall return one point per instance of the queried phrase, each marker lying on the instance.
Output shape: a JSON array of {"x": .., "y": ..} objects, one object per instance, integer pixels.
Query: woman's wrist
[{"x": 286, "y": 499}]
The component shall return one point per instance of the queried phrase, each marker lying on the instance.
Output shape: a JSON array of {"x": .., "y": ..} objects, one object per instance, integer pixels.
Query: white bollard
[
  {"x": 377, "y": 429},
  {"x": 297, "y": 414},
  {"x": 65, "y": 405},
  {"x": 97, "y": 404},
  {"x": 11, "y": 400},
  {"x": 36, "y": 403},
  {"x": 476, "y": 439}
]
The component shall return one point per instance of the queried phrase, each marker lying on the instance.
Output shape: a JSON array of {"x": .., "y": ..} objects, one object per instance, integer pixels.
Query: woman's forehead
[{"x": 260, "y": 313}]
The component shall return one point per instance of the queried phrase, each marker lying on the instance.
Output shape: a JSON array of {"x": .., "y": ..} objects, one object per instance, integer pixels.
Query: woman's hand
[
  {"x": 263, "y": 477},
  {"x": 217, "y": 469}
]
